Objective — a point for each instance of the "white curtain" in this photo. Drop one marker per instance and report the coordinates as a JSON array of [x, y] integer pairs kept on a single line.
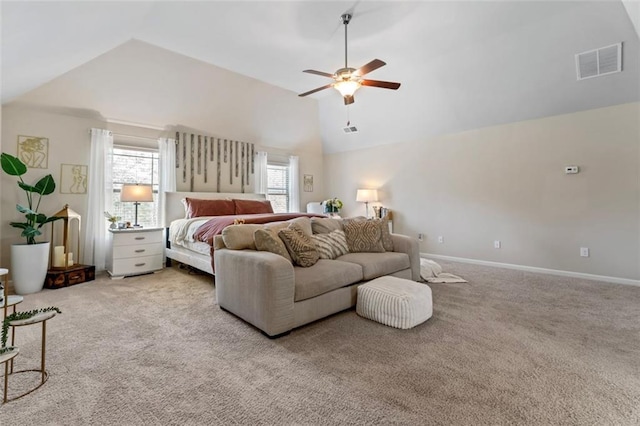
[[100, 196], [166, 173], [294, 186], [261, 179]]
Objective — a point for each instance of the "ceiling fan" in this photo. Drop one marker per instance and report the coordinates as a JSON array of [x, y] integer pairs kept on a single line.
[[348, 80]]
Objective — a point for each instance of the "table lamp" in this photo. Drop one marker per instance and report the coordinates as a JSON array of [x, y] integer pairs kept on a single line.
[[136, 193], [366, 196]]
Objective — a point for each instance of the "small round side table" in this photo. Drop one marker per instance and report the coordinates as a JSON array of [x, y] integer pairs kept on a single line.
[[5, 359], [7, 302], [39, 318]]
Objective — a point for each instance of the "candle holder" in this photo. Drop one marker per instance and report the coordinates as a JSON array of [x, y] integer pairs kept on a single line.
[[61, 257], [65, 270]]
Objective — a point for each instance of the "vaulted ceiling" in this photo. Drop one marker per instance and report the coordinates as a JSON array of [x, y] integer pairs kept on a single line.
[[463, 65]]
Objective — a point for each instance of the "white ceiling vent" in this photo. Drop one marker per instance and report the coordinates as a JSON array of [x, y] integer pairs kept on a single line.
[[350, 129], [597, 62]]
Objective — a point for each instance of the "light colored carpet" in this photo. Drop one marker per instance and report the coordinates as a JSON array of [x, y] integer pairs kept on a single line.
[[509, 347]]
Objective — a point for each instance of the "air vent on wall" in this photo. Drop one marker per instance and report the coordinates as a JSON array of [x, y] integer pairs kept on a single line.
[[350, 129], [598, 62]]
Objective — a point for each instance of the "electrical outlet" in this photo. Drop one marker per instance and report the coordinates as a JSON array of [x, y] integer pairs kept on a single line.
[[496, 244], [584, 251], [441, 239], [420, 237]]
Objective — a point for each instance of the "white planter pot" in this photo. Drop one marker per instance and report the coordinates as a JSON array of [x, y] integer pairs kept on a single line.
[[29, 264]]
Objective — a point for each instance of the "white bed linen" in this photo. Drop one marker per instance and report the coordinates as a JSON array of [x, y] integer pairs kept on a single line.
[[181, 233]]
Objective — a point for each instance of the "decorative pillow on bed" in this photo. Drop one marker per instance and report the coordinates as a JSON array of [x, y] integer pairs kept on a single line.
[[324, 225], [299, 245], [363, 236], [196, 207], [331, 245], [252, 206], [268, 240]]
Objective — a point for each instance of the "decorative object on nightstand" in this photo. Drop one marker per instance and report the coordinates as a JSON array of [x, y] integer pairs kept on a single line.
[[135, 251], [332, 206], [136, 193], [64, 269], [367, 196]]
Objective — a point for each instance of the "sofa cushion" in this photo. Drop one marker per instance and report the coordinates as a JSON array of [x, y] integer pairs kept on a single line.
[[331, 245], [324, 225], [378, 264], [299, 245], [240, 237], [268, 240], [387, 242], [363, 236], [323, 277]]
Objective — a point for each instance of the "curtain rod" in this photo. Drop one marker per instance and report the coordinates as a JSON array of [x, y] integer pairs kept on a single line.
[[135, 137]]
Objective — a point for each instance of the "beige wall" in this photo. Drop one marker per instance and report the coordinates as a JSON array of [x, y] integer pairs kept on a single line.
[[507, 183], [140, 83], [68, 144]]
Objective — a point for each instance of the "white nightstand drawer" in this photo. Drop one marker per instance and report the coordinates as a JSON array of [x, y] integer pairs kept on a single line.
[[135, 251], [138, 265], [127, 238], [140, 250]]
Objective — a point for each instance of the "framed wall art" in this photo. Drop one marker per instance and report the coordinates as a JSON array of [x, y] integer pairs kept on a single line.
[[308, 183], [33, 151], [73, 179]]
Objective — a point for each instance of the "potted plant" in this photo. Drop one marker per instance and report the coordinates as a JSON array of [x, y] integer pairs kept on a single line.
[[29, 261]]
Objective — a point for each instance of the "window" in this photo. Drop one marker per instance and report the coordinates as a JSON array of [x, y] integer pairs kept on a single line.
[[131, 165], [278, 187]]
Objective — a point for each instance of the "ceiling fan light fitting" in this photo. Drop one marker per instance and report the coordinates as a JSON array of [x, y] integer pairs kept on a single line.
[[347, 87]]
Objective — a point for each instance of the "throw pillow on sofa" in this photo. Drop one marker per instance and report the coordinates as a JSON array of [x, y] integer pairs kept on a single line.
[[268, 240], [363, 236], [331, 245], [387, 242], [324, 225], [299, 245]]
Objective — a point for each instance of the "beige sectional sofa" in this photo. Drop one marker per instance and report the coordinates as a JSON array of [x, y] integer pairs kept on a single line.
[[268, 291]]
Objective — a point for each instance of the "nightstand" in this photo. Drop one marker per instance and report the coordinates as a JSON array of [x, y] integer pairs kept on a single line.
[[135, 251]]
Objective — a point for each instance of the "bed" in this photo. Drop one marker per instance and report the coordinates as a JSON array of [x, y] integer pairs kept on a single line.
[[189, 240]]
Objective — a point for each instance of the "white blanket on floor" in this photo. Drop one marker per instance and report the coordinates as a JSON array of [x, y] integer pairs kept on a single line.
[[431, 272]]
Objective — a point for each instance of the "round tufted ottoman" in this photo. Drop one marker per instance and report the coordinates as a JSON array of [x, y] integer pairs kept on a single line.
[[395, 302]]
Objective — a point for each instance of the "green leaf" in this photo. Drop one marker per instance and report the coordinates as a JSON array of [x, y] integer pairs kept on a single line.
[[21, 225], [24, 209], [30, 232], [46, 185], [37, 218], [12, 165], [27, 187]]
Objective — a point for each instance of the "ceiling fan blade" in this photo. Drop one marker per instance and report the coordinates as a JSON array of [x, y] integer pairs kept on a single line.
[[371, 66], [316, 90], [348, 100], [324, 74], [383, 84]]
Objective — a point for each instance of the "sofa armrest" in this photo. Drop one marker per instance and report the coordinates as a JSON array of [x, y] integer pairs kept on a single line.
[[257, 286], [410, 246]]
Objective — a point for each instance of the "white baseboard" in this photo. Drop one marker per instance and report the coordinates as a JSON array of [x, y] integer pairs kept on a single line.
[[604, 278]]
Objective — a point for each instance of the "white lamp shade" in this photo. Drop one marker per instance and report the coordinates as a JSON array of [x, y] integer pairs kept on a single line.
[[367, 195], [136, 193]]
